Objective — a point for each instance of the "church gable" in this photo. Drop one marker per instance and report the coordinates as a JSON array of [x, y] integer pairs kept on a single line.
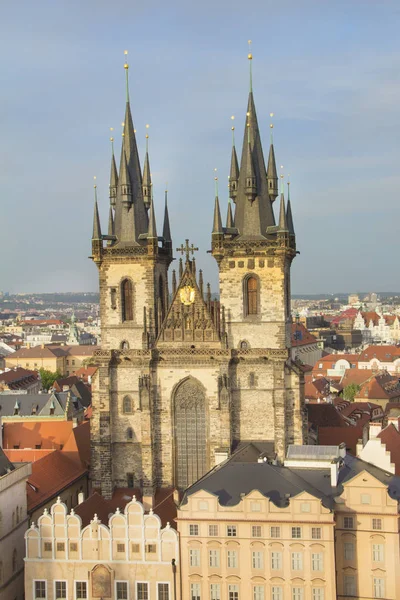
[[190, 319]]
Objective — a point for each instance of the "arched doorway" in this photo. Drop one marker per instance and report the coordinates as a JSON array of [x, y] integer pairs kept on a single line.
[[190, 432]]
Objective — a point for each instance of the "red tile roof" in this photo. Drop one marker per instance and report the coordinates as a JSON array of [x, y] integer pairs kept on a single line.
[[300, 336], [382, 386], [26, 454], [333, 436], [382, 353], [324, 415], [52, 435], [50, 475], [77, 446]]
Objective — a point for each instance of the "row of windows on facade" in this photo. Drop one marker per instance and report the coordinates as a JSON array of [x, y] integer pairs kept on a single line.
[[250, 289], [275, 592], [275, 531], [122, 591], [257, 559], [73, 547]]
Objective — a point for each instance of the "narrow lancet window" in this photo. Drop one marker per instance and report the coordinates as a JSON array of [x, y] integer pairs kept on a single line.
[[252, 293], [127, 300]]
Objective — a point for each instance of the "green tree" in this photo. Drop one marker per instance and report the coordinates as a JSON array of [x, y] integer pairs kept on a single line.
[[350, 391], [48, 378]]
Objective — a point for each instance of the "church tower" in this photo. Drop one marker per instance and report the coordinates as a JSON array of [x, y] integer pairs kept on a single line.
[[184, 379]]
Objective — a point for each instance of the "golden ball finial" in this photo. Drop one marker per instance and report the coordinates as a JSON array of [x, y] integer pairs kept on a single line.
[[122, 124], [147, 126], [233, 129], [147, 136], [126, 66], [233, 117], [111, 128], [271, 125], [271, 115], [111, 139], [250, 56], [95, 186]]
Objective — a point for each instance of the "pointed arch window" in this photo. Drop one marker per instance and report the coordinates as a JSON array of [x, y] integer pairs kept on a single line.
[[251, 296], [127, 405], [127, 300]]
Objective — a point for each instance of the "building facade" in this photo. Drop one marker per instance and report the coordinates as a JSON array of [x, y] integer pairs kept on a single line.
[[13, 524], [181, 382], [129, 557]]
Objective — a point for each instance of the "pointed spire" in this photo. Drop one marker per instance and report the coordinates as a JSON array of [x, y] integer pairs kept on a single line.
[[289, 217], [173, 282], [147, 175], [110, 225], [217, 225], [113, 174], [152, 222], [229, 217], [282, 211], [180, 268], [201, 284], [272, 175], [125, 188], [96, 219], [234, 172], [166, 227]]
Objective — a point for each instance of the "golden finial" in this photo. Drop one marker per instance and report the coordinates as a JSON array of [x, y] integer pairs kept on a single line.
[[111, 138], [249, 56], [216, 182], [232, 119], [123, 126], [95, 184], [271, 126], [126, 66], [281, 176]]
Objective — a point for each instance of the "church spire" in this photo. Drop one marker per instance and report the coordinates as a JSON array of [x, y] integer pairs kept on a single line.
[[131, 218], [166, 226], [234, 173], [152, 222], [217, 223], [96, 219], [282, 211], [110, 225], [289, 217], [113, 174], [147, 175], [252, 218], [272, 176], [229, 217]]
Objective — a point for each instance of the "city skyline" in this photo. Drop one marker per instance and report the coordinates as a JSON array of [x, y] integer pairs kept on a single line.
[[333, 96]]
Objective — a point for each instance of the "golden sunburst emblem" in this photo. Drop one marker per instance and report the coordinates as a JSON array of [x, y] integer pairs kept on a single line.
[[186, 295]]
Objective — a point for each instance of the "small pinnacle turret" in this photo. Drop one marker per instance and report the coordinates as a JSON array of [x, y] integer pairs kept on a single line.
[[251, 182], [289, 217], [229, 217], [234, 174], [113, 181], [124, 183], [272, 176], [96, 221], [110, 225], [146, 187], [166, 226], [152, 223], [282, 215], [217, 223]]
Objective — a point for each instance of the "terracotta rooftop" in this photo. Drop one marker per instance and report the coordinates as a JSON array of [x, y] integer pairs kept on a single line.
[[50, 475], [382, 353], [333, 436], [52, 435], [381, 387], [300, 336], [39, 352], [324, 415], [18, 378]]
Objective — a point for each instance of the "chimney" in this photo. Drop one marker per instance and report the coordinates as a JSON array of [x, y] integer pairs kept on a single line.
[[374, 429], [81, 497], [342, 450], [334, 472], [176, 497], [42, 346]]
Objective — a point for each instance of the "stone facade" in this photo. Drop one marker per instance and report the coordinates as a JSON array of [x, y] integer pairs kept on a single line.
[[183, 379]]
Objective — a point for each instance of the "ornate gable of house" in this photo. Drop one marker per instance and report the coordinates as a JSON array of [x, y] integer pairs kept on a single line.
[[190, 319]]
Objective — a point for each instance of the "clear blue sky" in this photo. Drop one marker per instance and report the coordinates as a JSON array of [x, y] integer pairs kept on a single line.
[[328, 70]]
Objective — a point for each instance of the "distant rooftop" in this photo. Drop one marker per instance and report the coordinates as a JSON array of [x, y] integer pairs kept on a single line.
[[313, 452]]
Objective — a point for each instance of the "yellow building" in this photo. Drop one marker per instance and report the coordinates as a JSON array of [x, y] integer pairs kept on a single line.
[[65, 359], [129, 558], [324, 526]]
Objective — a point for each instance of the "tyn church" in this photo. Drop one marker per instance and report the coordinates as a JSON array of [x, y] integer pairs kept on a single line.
[[184, 379]]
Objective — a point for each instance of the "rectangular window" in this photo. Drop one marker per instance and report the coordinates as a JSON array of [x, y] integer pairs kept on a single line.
[[377, 552], [317, 561], [194, 557], [365, 499], [130, 480], [142, 590], [61, 590], [122, 590], [195, 591], [40, 589], [276, 561], [379, 587], [48, 547], [233, 592], [232, 559], [296, 533], [255, 506], [350, 585], [215, 591], [135, 548], [60, 547], [377, 524], [297, 593], [80, 589], [163, 591], [258, 592], [151, 548], [193, 529], [120, 547], [297, 561], [305, 507], [231, 531], [275, 532], [73, 547], [316, 533], [348, 523], [257, 559], [277, 592], [256, 531], [348, 551], [213, 530], [213, 558], [318, 593]]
